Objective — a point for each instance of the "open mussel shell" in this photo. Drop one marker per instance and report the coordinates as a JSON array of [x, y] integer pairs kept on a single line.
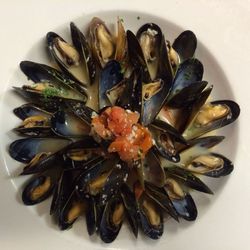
[[212, 116], [94, 176], [24, 150], [83, 47], [187, 179], [65, 86], [210, 164], [149, 37], [121, 53], [73, 208], [185, 45], [62, 191], [189, 112], [114, 181], [151, 217], [166, 138], [154, 95], [36, 125], [30, 109], [128, 99], [83, 154], [182, 201], [112, 219], [188, 72], [161, 197], [101, 41], [67, 124], [115, 93], [110, 76], [185, 97], [38, 189], [67, 57]]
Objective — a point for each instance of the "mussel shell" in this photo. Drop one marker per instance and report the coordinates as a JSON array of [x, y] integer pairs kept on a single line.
[[92, 171], [185, 45], [109, 230], [110, 76], [24, 150], [189, 112], [194, 131], [72, 209], [131, 210], [34, 131], [68, 125], [187, 95], [136, 56], [115, 180], [188, 72], [91, 216], [30, 109], [153, 171], [62, 191], [66, 67], [161, 197], [165, 70], [116, 92], [187, 179], [166, 137], [153, 105], [43, 73], [95, 44], [167, 128], [37, 125], [181, 200], [127, 98], [224, 169], [50, 102], [83, 48], [151, 50], [37, 184], [121, 53], [152, 231], [186, 208]]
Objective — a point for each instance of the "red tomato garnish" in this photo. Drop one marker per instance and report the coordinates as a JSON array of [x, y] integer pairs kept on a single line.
[[130, 140]]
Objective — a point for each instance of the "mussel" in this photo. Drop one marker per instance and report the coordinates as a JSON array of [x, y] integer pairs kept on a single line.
[[212, 116], [210, 164], [182, 201], [38, 189], [24, 150], [101, 41], [112, 219], [151, 217]]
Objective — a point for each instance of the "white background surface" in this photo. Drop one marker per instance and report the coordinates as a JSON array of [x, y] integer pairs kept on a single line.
[[223, 28]]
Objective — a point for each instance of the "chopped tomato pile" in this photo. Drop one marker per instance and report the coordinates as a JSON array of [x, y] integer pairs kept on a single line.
[[129, 139]]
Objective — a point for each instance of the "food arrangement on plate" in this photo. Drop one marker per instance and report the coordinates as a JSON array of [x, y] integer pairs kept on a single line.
[[118, 129]]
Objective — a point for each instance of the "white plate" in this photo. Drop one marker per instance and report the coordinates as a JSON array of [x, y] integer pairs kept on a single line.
[[221, 27]]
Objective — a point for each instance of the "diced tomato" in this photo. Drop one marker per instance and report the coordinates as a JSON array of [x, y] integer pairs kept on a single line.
[[131, 140]]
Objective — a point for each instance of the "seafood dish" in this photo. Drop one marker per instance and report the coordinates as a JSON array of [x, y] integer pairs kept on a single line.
[[105, 129]]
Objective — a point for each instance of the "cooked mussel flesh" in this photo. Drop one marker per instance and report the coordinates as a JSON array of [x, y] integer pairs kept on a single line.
[[211, 164], [101, 41]]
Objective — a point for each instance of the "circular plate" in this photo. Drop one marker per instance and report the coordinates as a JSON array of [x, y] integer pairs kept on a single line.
[[222, 216]]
